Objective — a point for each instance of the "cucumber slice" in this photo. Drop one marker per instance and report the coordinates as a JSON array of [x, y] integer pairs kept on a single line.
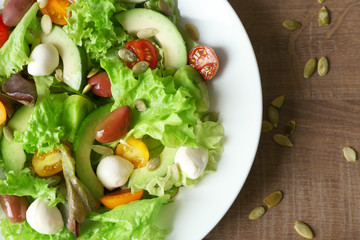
[[82, 147], [13, 152], [168, 36], [74, 58]]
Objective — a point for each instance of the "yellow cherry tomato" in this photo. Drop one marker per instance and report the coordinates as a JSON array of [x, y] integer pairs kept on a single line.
[[135, 151], [47, 164], [57, 10], [121, 197], [2, 113]]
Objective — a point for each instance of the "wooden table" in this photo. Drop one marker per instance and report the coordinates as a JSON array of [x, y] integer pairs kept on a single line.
[[319, 186]]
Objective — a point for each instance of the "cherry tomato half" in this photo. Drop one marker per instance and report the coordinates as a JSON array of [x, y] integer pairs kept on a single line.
[[144, 50], [100, 84], [204, 60], [4, 32], [47, 164], [57, 11]]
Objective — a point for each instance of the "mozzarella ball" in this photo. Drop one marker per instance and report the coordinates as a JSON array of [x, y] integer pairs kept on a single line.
[[192, 161], [114, 171], [43, 218], [44, 59]]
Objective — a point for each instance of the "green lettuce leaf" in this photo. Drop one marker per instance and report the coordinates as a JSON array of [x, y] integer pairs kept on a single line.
[[91, 26], [44, 131], [171, 112], [26, 184], [135, 220], [21, 231], [15, 52]]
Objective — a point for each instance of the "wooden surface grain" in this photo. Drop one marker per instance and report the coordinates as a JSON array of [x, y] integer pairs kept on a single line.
[[319, 186]]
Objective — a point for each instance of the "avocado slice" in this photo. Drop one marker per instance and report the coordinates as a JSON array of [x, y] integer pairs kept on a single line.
[[168, 36], [84, 139], [73, 57], [13, 152]]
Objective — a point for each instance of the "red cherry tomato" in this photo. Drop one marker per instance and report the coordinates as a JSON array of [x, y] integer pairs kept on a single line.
[[4, 32], [101, 85], [204, 60], [144, 50], [115, 125]]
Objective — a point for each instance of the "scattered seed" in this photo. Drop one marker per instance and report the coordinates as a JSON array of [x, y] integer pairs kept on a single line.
[[147, 33], [165, 8], [103, 150], [282, 140], [323, 17], [46, 24], [349, 154], [192, 31], [53, 180], [310, 67], [273, 199], [291, 25], [266, 126], [257, 213], [321, 1], [140, 105], [127, 55], [290, 127], [210, 116], [303, 230], [93, 72], [153, 163], [278, 101], [42, 3], [8, 133], [87, 88], [59, 75], [273, 115], [140, 67], [323, 66]]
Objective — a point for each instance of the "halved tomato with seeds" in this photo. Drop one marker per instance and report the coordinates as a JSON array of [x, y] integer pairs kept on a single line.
[[204, 60], [47, 164], [57, 10], [144, 50]]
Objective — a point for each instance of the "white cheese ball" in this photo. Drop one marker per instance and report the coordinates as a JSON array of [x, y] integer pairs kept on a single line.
[[192, 161], [43, 218], [114, 171], [44, 59]]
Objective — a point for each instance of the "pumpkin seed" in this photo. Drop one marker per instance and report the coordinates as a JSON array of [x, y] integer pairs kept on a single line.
[[103, 150], [291, 25], [266, 126], [53, 180], [140, 105], [290, 127], [282, 140], [153, 163], [8, 133], [310, 67], [257, 213], [323, 66], [140, 67], [273, 199], [192, 31], [93, 72], [273, 115], [127, 55], [165, 8], [147, 33], [323, 17], [321, 1], [303, 230], [42, 3], [59, 75], [278, 101], [210, 116], [46, 24], [349, 154], [87, 88]]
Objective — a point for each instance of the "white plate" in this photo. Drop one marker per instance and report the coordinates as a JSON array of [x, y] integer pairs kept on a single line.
[[236, 94]]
